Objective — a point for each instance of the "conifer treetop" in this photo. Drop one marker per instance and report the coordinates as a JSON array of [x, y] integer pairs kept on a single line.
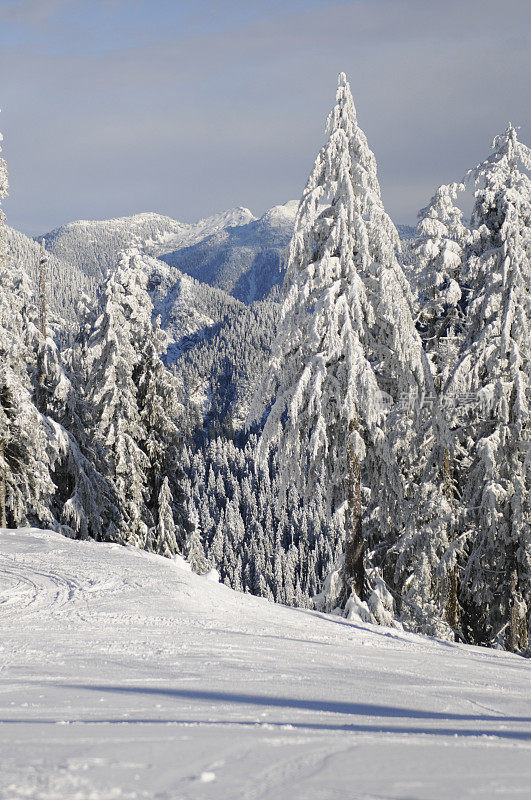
[[343, 117], [501, 242], [495, 367], [509, 154], [345, 318], [441, 217]]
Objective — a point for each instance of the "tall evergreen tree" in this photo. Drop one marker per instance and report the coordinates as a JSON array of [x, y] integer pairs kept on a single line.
[[114, 419], [26, 486], [83, 501], [4, 185], [28, 449], [162, 441], [439, 251], [494, 375], [133, 410], [347, 336], [424, 573]]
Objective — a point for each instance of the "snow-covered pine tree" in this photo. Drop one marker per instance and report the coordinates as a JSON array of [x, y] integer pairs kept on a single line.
[[425, 572], [347, 334], [25, 483], [162, 442], [4, 185], [113, 418], [32, 369], [42, 290], [491, 389], [27, 446], [133, 412], [195, 553], [165, 535], [424, 557], [83, 501], [439, 251]]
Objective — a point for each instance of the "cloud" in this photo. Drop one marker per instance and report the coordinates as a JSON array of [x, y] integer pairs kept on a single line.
[[192, 120], [30, 12]]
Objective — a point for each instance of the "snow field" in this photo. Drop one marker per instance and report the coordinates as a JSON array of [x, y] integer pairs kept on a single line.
[[124, 675]]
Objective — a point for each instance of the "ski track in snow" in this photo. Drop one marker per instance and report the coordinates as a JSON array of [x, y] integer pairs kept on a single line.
[[123, 675]]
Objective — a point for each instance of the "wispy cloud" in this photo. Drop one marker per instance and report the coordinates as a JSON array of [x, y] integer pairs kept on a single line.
[[192, 116], [30, 12]]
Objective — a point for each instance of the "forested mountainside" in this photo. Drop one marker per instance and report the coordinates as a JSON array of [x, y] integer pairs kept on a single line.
[[91, 245], [247, 260], [66, 284], [217, 346], [221, 345], [232, 251]]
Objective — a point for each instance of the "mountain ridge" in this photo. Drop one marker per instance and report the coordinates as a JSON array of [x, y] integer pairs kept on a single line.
[[233, 250]]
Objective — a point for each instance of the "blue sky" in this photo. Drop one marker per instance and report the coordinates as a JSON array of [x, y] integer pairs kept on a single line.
[[113, 107]]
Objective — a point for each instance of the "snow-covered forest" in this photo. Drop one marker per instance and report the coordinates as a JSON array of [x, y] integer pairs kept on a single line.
[[330, 410]]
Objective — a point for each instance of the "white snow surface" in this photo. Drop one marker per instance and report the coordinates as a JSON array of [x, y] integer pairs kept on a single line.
[[124, 675]]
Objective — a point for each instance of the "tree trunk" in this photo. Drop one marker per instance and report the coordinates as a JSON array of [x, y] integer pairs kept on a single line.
[[354, 567], [3, 519], [452, 611], [42, 291], [452, 606], [517, 631]]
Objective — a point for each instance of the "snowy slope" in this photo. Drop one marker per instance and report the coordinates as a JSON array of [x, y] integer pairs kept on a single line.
[[188, 309], [218, 345], [93, 245], [125, 676], [232, 251], [246, 261]]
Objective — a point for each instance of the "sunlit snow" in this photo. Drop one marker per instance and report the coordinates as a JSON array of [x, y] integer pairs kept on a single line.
[[124, 675]]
